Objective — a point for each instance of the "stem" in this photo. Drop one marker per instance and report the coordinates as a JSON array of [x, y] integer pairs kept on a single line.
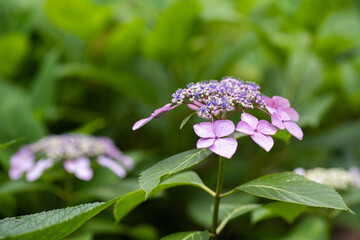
[[220, 181]]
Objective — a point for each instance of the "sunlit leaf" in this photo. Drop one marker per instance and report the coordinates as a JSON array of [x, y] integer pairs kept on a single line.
[[293, 188], [152, 177]]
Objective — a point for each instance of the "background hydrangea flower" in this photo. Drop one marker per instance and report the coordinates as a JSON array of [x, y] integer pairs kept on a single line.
[[74, 151], [258, 130], [211, 136], [337, 178]]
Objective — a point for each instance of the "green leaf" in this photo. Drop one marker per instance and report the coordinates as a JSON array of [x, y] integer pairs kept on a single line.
[[188, 236], [288, 211], [293, 188], [50, 225], [13, 49], [129, 201], [313, 228], [230, 211], [151, 177], [283, 135], [170, 35], [44, 83], [77, 16], [186, 120], [9, 143]]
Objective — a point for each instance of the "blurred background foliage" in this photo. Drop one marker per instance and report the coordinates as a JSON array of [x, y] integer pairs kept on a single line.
[[97, 66]]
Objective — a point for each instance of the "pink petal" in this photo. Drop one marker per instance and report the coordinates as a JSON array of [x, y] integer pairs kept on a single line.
[[250, 119], [243, 127], [160, 111], [283, 115], [281, 102], [269, 101], [141, 123], [223, 128], [204, 130], [271, 109], [294, 116], [264, 141], [80, 167], [70, 166], [276, 121], [112, 165], [294, 129], [266, 128], [225, 147], [205, 142], [38, 169], [193, 107]]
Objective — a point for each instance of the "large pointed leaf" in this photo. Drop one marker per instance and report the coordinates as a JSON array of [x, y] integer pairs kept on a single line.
[[152, 177], [291, 187], [231, 211], [129, 201], [50, 225], [9, 143], [188, 236]]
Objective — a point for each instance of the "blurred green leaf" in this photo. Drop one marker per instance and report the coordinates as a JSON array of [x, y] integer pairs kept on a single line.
[[188, 235], [44, 84], [122, 42], [92, 126], [283, 135], [77, 16], [168, 38], [293, 188], [14, 47], [50, 225], [9, 143], [313, 228], [152, 177], [124, 82], [288, 211], [129, 201]]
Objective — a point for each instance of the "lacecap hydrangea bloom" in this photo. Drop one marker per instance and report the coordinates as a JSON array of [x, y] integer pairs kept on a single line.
[[337, 178], [217, 101], [74, 151]]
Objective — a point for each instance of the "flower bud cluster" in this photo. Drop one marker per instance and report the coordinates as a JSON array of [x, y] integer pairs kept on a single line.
[[213, 97]]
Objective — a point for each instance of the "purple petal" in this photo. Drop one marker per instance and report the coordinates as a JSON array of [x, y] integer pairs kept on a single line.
[[38, 169], [264, 141], [250, 119], [225, 147], [113, 152], [266, 128], [223, 128], [141, 123], [112, 165], [21, 162], [281, 102], [205, 142], [243, 127], [292, 113], [204, 130], [300, 171], [81, 167], [294, 129], [276, 121]]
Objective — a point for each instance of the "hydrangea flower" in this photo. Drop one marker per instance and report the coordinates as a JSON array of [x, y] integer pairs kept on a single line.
[[219, 100], [212, 136], [258, 130], [334, 177], [73, 151]]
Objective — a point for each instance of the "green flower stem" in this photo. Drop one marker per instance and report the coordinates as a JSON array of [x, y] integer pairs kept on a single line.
[[220, 181]]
